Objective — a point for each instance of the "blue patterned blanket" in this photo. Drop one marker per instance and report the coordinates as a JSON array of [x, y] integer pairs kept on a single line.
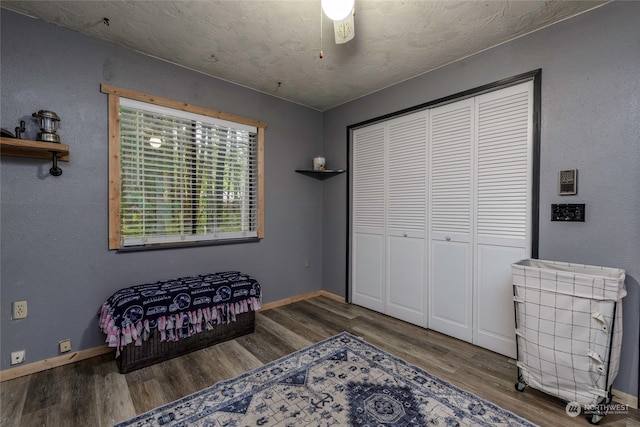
[[177, 308]]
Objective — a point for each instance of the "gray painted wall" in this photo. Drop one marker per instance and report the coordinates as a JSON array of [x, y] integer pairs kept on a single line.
[[590, 121], [54, 230]]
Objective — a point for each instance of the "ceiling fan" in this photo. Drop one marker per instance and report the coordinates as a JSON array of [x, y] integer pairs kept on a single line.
[[341, 12]]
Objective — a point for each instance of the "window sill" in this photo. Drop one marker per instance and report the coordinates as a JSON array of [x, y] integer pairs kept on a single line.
[[187, 244]]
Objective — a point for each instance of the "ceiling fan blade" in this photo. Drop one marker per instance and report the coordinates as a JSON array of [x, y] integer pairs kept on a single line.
[[344, 30]]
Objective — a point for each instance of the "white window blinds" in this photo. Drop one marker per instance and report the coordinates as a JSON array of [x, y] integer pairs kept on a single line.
[[185, 177]]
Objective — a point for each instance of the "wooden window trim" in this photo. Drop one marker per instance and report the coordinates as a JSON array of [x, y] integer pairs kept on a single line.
[[114, 93]]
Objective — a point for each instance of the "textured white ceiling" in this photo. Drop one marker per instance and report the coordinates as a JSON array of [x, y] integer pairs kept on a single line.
[[273, 46]]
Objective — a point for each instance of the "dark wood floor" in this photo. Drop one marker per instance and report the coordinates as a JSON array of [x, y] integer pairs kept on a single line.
[[93, 393]]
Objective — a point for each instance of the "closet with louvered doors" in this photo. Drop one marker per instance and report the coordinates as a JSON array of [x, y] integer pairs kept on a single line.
[[389, 217], [440, 209], [480, 191]]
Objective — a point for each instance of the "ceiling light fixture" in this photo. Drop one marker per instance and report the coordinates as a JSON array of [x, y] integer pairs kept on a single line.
[[337, 10], [341, 13]]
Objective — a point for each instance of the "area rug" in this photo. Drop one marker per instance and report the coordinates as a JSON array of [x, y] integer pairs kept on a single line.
[[342, 381]]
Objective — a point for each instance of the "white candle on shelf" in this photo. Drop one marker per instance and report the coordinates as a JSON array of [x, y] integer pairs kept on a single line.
[[318, 163]]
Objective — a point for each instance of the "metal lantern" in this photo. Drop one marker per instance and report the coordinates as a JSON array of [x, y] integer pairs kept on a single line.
[[48, 122]]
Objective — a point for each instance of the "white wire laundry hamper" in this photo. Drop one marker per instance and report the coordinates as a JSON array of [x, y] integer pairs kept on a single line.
[[568, 330]]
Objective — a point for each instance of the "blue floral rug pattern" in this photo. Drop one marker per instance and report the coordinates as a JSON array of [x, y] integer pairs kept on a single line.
[[342, 381]]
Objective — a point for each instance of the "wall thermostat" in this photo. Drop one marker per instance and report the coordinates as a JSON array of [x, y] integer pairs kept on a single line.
[[568, 182]]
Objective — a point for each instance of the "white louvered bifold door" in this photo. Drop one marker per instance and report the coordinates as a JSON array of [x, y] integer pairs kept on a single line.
[[503, 209], [451, 227], [368, 217], [440, 209], [406, 217]]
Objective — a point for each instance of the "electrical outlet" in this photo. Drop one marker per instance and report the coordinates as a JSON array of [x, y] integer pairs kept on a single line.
[[65, 346], [17, 357], [307, 263], [19, 309]]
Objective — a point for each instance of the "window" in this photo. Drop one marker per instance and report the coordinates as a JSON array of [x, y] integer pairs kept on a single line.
[[181, 174]]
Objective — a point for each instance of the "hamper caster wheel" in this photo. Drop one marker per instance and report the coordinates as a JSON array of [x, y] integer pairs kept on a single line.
[[520, 386], [594, 418]]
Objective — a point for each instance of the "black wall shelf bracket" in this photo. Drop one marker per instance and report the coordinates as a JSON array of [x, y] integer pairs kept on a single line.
[[55, 170], [320, 174]]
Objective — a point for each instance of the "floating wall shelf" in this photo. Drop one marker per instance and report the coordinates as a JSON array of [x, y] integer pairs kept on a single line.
[[17, 147], [321, 175]]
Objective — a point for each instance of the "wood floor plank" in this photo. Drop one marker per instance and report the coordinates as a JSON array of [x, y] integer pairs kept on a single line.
[[93, 392], [41, 417], [146, 395], [43, 391], [206, 368], [278, 329], [173, 377], [113, 398], [13, 394], [280, 316], [301, 324], [322, 320], [349, 312], [77, 390], [425, 352], [267, 346], [234, 359]]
